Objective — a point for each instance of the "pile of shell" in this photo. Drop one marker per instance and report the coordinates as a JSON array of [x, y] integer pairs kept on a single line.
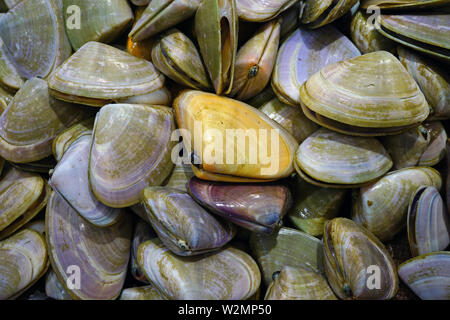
[[340, 111]]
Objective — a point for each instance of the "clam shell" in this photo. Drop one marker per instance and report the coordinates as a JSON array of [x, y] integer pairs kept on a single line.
[[428, 222], [319, 13], [262, 98], [23, 260], [64, 140], [34, 37], [5, 99], [180, 176], [111, 74], [407, 148], [73, 167], [258, 208], [183, 225], [175, 55], [436, 150], [203, 114], [291, 118], [100, 254], [10, 78], [159, 97], [366, 37], [22, 196], [36, 225], [329, 158], [131, 149], [368, 95], [419, 31], [101, 21], [27, 139], [42, 166], [160, 15], [382, 206], [313, 206], [255, 61], [299, 284], [261, 10], [433, 80], [216, 28], [428, 275], [54, 289], [141, 293], [236, 275], [404, 4], [304, 53], [142, 232], [289, 247], [349, 251]]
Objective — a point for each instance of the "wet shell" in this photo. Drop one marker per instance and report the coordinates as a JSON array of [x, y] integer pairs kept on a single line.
[[366, 37], [180, 176], [319, 13], [54, 289], [183, 225], [10, 78], [428, 275], [160, 15], [350, 253], [70, 180], [261, 10], [258, 208], [382, 206], [368, 95], [101, 21], [176, 56], [419, 31], [328, 158], [23, 260], [111, 74], [299, 284], [27, 139], [407, 148], [255, 61], [213, 116], [304, 53], [291, 118], [289, 247], [428, 222], [436, 150], [131, 150], [313, 206], [64, 140], [216, 28], [34, 37], [101, 254], [432, 78], [22, 196], [159, 97], [236, 275], [141, 293]]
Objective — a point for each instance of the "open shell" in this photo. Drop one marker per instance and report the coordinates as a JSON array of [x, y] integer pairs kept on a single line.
[[428, 222], [236, 275], [23, 260], [107, 77], [131, 149], [216, 28], [101, 21], [350, 252], [207, 117], [382, 206], [99, 254], [327, 158], [70, 179], [182, 224], [368, 95], [304, 53], [30, 138]]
